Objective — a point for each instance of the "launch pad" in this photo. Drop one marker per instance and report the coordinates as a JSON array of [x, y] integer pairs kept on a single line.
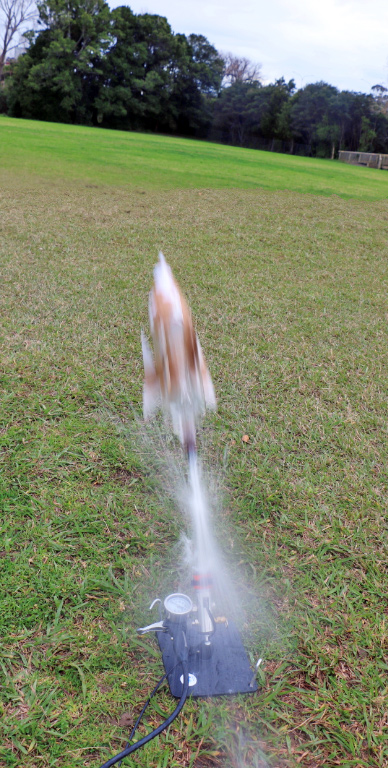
[[220, 669], [217, 662]]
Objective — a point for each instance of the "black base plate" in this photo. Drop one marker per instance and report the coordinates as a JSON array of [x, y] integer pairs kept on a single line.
[[225, 671]]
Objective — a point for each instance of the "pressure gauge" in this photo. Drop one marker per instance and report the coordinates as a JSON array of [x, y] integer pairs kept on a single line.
[[178, 605]]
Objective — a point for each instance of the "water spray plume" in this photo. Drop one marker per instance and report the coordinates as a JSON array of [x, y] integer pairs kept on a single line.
[[176, 376]]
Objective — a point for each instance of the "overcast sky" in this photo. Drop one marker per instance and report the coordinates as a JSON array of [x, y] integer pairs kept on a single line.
[[343, 42]]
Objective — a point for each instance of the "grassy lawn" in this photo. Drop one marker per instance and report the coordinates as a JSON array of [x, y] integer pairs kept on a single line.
[[290, 293], [116, 158]]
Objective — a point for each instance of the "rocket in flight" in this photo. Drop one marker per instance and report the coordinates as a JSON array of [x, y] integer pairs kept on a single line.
[[176, 376]]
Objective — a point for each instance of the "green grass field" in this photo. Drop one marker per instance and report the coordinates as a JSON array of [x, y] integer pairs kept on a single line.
[[145, 161], [284, 261]]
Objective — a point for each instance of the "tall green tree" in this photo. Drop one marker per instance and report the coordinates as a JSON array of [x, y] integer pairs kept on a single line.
[[119, 101], [58, 78], [234, 119], [196, 84], [136, 76], [312, 108], [248, 111], [156, 80], [266, 109]]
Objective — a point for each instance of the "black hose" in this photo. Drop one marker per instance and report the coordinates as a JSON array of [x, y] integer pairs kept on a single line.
[[140, 717], [141, 743]]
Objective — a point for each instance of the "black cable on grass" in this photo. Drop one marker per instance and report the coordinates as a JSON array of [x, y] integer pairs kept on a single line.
[[135, 727], [162, 727], [141, 743]]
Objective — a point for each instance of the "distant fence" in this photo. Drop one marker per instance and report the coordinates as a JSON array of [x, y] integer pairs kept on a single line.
[[370, 159]]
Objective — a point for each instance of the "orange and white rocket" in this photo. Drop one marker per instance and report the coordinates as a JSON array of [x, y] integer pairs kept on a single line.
[[177, 377]]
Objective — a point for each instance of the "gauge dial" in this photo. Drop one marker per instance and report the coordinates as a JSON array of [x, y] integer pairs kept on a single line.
[[178, 604]]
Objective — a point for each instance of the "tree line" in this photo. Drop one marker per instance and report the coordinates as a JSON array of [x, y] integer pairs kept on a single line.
[[318, 119], [89, 65]]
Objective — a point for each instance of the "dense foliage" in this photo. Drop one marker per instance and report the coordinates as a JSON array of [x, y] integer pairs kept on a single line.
[[95, 66], [318, 119], [90, 65]]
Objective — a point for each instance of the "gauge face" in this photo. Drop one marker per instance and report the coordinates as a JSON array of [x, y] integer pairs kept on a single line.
[[178, 604]]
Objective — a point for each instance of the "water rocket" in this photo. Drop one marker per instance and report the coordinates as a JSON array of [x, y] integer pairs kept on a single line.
[[176, 377], [177, 380]]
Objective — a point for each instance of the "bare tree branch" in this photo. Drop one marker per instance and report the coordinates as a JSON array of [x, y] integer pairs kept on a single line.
[[239, 69], [14, 14]]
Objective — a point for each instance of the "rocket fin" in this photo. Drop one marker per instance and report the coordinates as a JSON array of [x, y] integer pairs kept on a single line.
[[208, 388], [151, 387]]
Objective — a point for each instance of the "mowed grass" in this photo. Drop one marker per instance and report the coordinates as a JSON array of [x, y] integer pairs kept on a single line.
[[291, 299], [147, 161]]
